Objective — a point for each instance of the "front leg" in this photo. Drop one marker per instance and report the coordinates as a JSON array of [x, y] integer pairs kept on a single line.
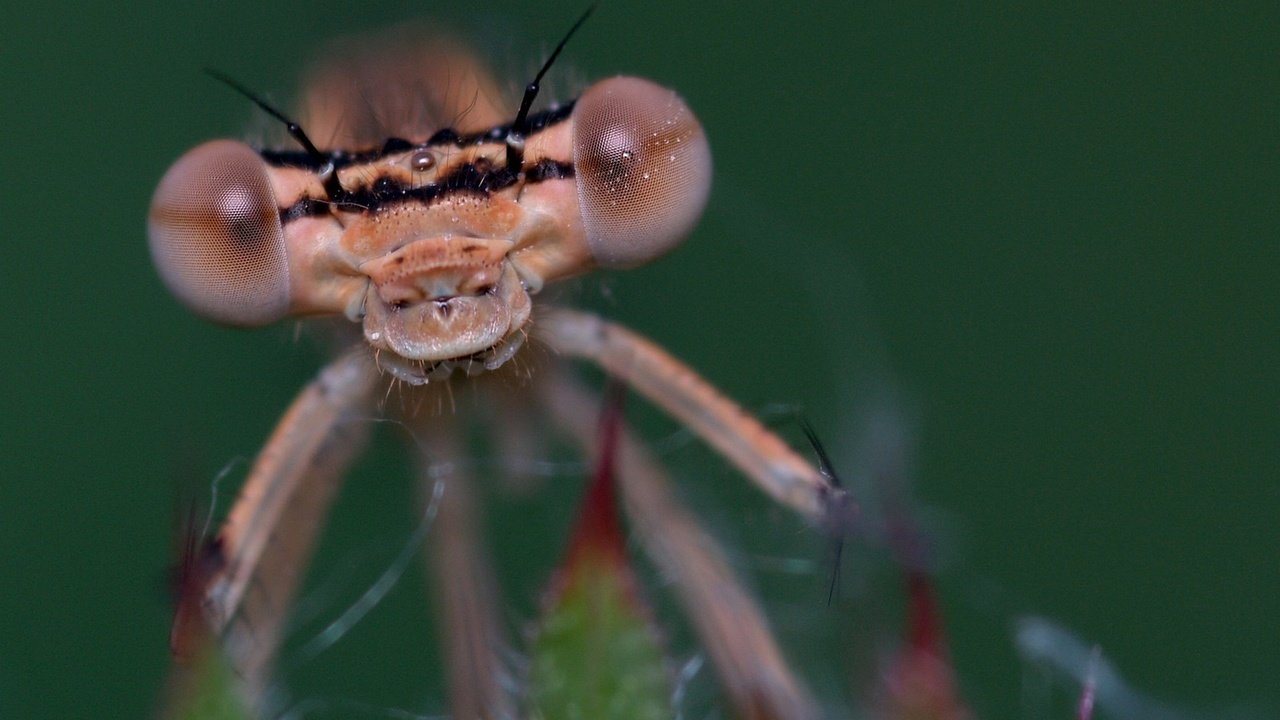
[[462, 576], [721, 423], [731, 627], [267, 538]]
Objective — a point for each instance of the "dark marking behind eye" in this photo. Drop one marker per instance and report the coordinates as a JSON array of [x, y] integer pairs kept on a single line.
[[395, 145], [548, 169], [447, 136]]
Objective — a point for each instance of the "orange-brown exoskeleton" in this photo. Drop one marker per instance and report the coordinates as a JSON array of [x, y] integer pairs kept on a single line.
[[419, 209]]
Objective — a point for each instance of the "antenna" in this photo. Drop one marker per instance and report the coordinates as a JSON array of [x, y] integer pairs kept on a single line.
[[332, 187], [520, 126]]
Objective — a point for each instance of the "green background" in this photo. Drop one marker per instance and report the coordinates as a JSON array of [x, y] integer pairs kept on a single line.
[[1047, 236]]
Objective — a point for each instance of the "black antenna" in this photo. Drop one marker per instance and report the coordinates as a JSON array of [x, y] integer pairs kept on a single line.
[[332, 187], [515, 136]]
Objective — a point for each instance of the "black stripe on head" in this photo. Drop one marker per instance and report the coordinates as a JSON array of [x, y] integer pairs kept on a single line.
[[475, 177], [442, 138]]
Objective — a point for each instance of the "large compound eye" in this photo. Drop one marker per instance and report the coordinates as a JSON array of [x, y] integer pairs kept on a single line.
[[215, 236], [643, 169]]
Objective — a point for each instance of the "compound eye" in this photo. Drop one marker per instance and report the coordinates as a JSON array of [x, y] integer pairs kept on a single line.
[[215, 236], [643, 169]]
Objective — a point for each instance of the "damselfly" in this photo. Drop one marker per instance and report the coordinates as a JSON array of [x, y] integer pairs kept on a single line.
[[421, 210]]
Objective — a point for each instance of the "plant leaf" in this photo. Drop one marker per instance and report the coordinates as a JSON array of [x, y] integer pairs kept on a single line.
[[596, 653]]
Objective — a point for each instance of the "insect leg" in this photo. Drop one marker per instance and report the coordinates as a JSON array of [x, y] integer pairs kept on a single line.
[[679, 390], [730, 626], [466, 591], [267, 537]]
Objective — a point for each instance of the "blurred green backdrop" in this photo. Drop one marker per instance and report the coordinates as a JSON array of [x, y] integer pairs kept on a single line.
[[1048, 233]]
